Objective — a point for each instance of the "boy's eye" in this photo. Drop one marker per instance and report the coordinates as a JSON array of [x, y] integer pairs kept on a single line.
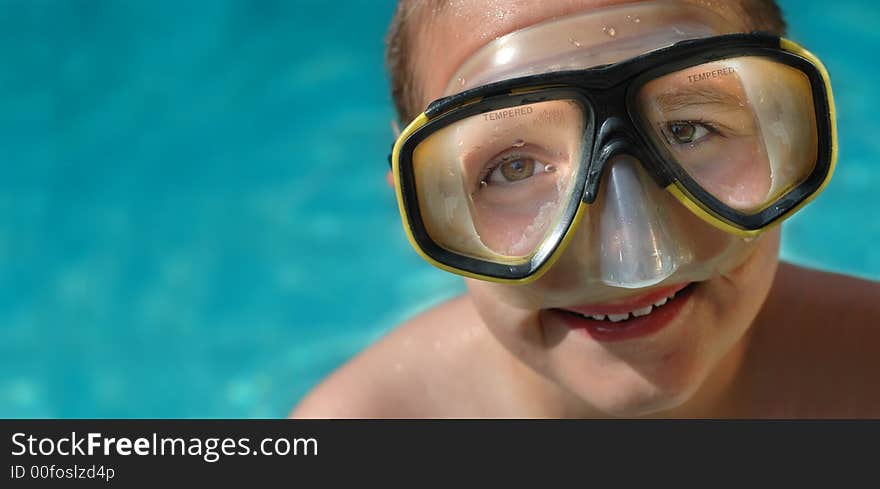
[[513, 170], [685, 132]]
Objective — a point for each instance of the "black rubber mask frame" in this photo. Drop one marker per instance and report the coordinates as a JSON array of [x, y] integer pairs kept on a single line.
[[613, 127]]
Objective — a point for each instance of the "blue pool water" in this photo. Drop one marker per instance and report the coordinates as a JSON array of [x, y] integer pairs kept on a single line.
[[193, 215]]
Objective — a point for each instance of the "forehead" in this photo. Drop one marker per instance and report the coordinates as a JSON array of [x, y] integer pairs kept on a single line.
[[446, 36]]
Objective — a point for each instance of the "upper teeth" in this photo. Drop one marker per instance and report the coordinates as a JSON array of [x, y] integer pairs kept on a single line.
[[644, 311]]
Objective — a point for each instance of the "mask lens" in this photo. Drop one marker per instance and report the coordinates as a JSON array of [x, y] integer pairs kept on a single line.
[[495, 185], [743, 128]]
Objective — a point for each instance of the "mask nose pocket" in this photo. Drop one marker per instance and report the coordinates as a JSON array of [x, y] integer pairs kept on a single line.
[[636, 244]]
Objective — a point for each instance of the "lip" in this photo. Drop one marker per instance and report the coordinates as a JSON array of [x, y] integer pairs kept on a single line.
[[632, 328]]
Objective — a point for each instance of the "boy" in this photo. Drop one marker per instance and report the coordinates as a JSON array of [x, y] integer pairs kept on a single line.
[[617, 228]]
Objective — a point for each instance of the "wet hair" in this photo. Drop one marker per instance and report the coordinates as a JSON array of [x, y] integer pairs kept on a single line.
[[762, 15]]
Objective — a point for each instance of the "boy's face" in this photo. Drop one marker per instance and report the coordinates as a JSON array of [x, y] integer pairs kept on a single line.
[[658, 365]]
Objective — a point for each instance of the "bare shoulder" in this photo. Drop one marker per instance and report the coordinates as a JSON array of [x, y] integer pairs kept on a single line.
[[425, 367], [826, 292], [816, 346]]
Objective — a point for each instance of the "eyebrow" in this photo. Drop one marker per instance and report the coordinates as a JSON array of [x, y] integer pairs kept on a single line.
[[695, 96]]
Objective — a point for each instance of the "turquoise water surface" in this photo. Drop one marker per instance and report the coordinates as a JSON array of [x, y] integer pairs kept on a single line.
[[194, 220]]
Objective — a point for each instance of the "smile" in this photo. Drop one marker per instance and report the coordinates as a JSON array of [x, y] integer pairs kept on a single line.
[[630, 318], [641, 306]]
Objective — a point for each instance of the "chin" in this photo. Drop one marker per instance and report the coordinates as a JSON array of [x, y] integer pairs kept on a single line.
[[641, 405], [630, 393], [643, 378]]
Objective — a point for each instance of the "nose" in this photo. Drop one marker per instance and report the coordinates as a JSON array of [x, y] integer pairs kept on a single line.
[[634, 240]]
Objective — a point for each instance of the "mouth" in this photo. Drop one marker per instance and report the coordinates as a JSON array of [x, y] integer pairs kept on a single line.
[[632, 318]]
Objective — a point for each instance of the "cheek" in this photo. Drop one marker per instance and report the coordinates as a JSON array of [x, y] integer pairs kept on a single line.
[[737, 173], [735, 297], [516, 327]]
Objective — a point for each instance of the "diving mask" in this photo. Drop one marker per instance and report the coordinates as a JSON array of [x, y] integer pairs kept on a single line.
[[492, 182]]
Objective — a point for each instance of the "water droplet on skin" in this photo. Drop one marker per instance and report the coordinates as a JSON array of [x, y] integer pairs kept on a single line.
[[574, 42], [461, 143], [610, 31], [636, 20], [483, 184], [519, 143], [461, 81], [549, 168]]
